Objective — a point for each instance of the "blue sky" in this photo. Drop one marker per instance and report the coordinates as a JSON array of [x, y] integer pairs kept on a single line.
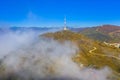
[[47, 13]]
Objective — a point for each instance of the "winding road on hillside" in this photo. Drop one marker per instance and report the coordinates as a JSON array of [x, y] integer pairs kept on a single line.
[[92, 52]]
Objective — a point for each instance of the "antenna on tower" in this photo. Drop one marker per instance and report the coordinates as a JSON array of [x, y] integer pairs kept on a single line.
[[65, 26]]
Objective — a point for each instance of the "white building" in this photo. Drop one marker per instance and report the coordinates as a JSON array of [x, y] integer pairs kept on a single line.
[[117, 45]]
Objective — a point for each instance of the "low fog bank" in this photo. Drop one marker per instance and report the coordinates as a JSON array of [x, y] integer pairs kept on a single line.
[[25, 56], [11, 40]]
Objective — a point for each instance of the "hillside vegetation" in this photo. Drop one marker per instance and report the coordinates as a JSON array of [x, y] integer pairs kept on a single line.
[[91, 53], [109, 33]]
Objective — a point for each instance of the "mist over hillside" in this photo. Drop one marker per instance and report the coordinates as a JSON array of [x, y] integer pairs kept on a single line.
[[29, 56], [25, 29]]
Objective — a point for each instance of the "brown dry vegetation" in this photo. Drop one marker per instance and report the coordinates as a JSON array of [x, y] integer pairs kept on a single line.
[[99, 58], [109, 33]]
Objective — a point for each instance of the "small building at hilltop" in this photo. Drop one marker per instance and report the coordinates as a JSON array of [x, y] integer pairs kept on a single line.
[[117, 45]]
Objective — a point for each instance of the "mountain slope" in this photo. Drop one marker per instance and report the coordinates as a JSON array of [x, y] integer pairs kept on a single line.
[[99, 57], [108, 28], [96, 35], [109, 33]]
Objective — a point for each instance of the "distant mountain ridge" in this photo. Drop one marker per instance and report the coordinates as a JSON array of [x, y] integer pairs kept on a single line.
[[24, 29], [108, 28], [109, 33]]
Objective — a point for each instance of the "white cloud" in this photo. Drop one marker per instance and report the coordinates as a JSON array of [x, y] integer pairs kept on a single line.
[[40, 58]]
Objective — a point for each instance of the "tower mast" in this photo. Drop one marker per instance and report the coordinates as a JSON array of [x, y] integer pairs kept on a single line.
[[65, 26]]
